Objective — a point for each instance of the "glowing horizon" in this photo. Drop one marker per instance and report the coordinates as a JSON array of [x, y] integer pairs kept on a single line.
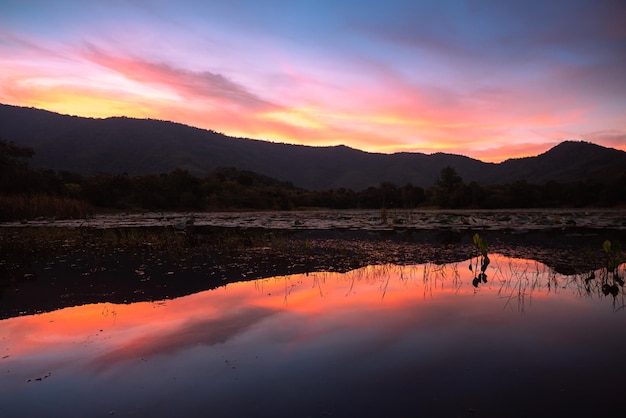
[[488, 81]]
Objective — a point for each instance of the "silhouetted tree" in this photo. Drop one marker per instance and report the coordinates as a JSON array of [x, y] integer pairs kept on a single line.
[[14, 174], [449, 179], [447, 191], [411, 196], [107, 190], [477, 195]]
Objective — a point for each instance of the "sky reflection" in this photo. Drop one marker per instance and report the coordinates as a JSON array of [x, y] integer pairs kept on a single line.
[[378, 340]]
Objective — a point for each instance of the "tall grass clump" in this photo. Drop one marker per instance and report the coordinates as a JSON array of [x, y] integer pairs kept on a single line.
[[27, 207]]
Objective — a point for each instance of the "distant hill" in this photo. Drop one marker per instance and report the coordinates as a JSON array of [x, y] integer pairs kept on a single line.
[[568, 161], [146, 146]]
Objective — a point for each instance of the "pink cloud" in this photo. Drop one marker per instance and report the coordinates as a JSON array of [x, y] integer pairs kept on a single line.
[[188, 84], [362, 103]]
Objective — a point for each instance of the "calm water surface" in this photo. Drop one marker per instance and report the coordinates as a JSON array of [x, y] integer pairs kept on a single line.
[[379, 341]]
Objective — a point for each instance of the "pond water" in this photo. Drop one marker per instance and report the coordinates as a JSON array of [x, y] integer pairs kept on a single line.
[[385, 340]]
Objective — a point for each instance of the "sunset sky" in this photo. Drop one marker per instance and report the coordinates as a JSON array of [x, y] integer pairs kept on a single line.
[[488, 79]]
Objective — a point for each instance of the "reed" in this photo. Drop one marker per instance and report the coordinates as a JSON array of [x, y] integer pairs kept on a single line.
[[28, 207]]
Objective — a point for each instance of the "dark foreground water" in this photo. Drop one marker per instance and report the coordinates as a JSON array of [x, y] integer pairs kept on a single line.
[[379, 341]]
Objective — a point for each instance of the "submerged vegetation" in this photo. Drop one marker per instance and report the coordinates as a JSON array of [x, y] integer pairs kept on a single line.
[[27, 194]]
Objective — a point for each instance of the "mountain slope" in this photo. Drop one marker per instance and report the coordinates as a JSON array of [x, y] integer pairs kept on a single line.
[[145, 146], [566, 162]]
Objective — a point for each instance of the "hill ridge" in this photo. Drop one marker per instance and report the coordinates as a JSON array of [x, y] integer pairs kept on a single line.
[[121, 144]]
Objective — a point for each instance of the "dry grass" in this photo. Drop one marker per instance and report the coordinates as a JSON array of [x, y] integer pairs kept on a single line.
[[26, 207]]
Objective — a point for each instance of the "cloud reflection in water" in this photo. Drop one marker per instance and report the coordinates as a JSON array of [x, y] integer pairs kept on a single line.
[[382, 340]]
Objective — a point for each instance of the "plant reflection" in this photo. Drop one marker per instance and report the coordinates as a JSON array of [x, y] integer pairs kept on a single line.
[[482, 259], [610, 280], [517, 281]]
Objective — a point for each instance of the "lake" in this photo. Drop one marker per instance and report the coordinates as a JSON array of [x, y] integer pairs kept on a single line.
[[380, 340]]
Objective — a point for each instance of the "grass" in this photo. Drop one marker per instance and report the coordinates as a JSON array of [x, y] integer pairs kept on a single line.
[[28, 207]]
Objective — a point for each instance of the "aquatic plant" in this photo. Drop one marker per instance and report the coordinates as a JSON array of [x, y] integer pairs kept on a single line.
[[480, 274], [611, 280], [614, 256]]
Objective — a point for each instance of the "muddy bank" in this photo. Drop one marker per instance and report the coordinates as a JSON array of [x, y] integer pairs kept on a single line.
[[356, 219]]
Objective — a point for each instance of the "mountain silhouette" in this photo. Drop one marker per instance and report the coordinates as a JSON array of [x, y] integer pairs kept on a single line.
[[148, 146]]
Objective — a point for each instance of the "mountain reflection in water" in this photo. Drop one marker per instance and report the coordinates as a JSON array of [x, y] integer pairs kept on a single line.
[[378, 341]]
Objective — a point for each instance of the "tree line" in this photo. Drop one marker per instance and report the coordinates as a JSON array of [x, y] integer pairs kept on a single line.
[[21, 188]]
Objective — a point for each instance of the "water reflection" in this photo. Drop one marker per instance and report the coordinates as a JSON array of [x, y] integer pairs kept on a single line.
[[378, 341]]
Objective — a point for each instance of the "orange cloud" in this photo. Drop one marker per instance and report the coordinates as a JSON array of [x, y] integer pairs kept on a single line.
[[376, 110], [402, 87]]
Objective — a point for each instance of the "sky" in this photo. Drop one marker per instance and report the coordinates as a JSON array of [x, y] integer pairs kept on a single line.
[[488, 79]]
